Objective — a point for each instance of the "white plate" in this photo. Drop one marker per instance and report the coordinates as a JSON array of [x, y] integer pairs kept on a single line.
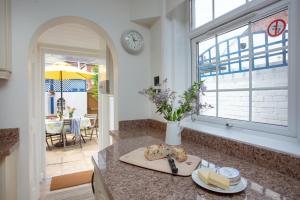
[[232, 189]]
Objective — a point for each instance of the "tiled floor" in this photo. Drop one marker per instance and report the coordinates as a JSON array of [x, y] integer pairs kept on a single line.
[[81, 192], [72, 159]]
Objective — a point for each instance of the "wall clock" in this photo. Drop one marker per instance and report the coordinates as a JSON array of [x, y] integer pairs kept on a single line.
[[132, 41]]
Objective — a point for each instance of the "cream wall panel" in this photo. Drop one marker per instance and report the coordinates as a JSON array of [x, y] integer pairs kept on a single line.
[[8, 176], [5, 39]]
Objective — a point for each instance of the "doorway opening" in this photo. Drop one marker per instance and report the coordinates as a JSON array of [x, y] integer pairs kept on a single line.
[[73, 40], [80, 105]]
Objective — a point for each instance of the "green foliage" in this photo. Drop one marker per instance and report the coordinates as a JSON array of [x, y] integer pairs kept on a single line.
[[185, 106], [94, 89], [164, 101]]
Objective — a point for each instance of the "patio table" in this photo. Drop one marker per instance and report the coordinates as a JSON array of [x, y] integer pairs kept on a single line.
[[55, 126]]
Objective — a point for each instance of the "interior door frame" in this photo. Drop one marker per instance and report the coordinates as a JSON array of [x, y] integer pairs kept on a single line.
[[36, 138]]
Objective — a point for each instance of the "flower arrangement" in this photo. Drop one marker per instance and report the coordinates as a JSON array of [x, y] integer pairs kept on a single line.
[[187, 104], [71, 111]]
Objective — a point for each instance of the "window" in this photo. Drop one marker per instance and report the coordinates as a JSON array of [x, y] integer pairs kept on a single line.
[[207, 10], [245, 67]]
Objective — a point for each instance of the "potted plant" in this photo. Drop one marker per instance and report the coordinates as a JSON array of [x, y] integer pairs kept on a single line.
[[174, 111], [71, 111]]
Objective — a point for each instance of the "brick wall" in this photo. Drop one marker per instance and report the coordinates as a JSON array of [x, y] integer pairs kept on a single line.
[[267, 106]]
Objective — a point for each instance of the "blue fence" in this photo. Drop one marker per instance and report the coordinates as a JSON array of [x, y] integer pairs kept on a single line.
[[68, 85], [230, 66]]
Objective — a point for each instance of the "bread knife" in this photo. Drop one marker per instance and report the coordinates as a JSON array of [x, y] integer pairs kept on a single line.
[[173, 167]]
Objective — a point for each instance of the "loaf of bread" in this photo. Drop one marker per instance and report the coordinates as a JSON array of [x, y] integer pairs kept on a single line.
[[179, 154], [159, 151]]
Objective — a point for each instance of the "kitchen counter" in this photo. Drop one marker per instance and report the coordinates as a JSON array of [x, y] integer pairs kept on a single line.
[[123, 181], [9, 139]]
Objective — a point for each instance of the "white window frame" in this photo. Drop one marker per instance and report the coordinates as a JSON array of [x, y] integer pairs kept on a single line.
[[252, 11], [192, 11]]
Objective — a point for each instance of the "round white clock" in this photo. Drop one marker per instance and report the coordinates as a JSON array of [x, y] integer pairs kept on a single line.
[[132, 41]]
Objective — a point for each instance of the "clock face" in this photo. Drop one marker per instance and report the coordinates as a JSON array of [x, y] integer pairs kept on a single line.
[[132, 41]]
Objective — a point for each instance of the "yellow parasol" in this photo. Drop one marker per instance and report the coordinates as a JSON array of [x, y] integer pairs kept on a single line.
[[64, 71]]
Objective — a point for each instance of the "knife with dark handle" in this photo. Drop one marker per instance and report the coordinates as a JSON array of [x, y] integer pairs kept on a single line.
[[173, 167]]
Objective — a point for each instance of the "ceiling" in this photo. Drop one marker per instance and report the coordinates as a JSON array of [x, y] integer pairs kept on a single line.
[[73, 35], [51, 58]]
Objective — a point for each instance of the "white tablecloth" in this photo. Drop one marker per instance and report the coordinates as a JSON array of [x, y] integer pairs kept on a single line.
[[55, 126]]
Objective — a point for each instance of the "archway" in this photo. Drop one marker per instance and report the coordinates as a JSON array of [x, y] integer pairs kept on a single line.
[[36, 91]]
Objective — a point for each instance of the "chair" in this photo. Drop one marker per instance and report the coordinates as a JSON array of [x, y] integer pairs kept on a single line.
[[53, 135], [76, 126], [66, 128], [93, 125]]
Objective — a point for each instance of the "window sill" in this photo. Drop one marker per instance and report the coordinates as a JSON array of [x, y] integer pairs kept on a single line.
[[272, 142]]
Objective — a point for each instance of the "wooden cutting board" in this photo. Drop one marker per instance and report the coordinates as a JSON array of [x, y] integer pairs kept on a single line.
[[137, 158]]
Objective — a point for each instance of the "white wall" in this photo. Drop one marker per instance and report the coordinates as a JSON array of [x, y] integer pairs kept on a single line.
[[297, 45], [27, 16], [76, 100], [172, 4], [169, 49], [180, 27], [156, 60], [141, 9], [268, 106]]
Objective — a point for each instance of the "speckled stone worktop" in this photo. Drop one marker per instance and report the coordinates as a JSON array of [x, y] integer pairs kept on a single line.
[[9, 138], [124, 181]]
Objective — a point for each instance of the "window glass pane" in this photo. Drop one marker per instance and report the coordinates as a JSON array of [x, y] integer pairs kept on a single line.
[[225, 60], [209, 98], [270, 63], [234, 105], [234, 59], [203, 12], [222, 7], [207, 63], [270, 107]]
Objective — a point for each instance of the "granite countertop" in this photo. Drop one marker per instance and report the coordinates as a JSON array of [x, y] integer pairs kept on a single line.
[[9, 139], [124, 181]]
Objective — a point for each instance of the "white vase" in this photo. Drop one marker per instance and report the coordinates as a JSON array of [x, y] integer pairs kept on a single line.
[[173, 133]]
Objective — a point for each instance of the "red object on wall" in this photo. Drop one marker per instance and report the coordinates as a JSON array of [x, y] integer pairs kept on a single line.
[[276, 27]]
